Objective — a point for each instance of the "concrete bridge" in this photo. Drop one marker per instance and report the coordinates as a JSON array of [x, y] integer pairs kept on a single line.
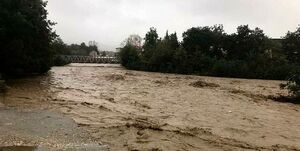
[[89, 59]]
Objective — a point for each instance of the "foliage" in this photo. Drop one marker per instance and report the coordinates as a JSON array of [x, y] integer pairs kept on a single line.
[[59, 61], [58, 47], [205, 40], [25, 36], [248, 53], [291, 45], [150, 44], [230, 68], [82, 49], [247, 44], [293, 84], [162, 56], [129, 57]]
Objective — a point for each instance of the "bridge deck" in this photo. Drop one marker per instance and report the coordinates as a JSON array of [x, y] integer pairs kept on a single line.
[[89, 59]]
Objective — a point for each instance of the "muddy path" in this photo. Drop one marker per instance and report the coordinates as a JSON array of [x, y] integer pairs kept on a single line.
[[131, 110]]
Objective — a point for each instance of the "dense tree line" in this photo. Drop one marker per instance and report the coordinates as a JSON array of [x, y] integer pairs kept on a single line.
[[61, 48], [248, 53], [25, 36]]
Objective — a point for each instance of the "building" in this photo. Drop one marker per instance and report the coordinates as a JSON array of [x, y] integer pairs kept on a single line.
[[93, 53]]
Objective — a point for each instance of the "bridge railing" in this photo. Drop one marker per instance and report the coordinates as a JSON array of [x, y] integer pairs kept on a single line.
[[89, 59]]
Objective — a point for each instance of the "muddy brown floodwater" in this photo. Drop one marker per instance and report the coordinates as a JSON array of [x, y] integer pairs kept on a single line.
[[132, 110]]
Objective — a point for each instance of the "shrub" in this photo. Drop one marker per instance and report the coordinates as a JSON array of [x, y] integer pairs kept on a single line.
[[293, 84], [278, 72], [58, 61], [129, 57], [230, 68]]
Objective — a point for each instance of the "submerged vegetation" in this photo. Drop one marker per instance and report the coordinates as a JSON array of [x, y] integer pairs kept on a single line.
[[248, 53]]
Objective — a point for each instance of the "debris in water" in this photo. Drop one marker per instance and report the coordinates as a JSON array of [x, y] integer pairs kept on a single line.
[[115, 77], [202, 84]]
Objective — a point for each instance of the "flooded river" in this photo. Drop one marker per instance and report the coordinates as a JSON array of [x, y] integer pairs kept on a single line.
[[132, 110]]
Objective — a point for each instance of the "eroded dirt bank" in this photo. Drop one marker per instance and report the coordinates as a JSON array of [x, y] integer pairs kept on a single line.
[[131, 110]]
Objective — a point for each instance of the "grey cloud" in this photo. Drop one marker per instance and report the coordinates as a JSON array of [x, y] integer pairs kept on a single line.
[[110, 21]]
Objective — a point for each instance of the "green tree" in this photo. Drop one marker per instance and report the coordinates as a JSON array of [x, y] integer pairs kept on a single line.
[[82, 49], [130, 57], [291, 46], [172, 40], [58, 47], [25, 36], [162, 56], [150, 44], [247, 44], [204, 40], [210, 51], [180, 61]]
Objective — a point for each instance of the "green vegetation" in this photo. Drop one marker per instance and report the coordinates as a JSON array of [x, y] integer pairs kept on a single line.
[[248, 53], [25, 36], [29, 46], [58, 47], [293, 84], [291, 45]]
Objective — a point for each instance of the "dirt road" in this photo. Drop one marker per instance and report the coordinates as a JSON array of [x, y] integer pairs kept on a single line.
[[131, 110]]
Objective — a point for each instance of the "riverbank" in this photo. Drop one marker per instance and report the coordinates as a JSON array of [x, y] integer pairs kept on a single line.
[[133, 110], [42, 131]]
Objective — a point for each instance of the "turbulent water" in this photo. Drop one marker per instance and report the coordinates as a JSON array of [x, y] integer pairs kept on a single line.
[[131, 110]]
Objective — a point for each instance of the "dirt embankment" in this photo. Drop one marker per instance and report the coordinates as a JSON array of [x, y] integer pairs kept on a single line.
[[130, 110]]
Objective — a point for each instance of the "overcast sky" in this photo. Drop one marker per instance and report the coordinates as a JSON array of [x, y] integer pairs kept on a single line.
[[109, 22]]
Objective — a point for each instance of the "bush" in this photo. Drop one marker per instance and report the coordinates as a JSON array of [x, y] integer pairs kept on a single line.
[[58, 61], [129, 57], [279, 72], [230, 68], [293, 84]]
